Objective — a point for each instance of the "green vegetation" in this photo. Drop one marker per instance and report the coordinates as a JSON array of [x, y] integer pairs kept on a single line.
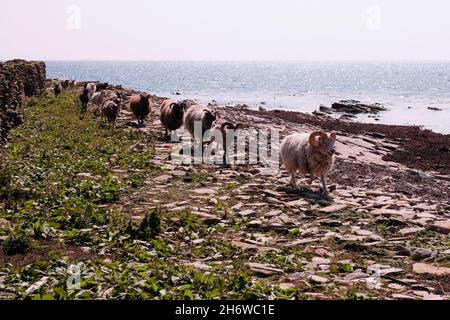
[[62, 178]]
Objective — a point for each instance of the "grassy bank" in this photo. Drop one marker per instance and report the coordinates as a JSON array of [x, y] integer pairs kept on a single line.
[[61, 176]]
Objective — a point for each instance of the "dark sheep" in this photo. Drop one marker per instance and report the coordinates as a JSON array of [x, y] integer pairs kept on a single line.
[[57, 89], [172, 114], [109, 111], [84, 98], [102, 86], [67, 84], [140, 105]]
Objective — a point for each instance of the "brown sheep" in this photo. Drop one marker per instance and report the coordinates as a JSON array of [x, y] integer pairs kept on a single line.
[[223, 127], [172, 114], [140, 105]]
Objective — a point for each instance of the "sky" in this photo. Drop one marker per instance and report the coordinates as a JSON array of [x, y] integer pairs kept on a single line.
[[255, 30]]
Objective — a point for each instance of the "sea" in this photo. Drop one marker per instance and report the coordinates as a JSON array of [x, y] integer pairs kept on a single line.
[[406, 89]]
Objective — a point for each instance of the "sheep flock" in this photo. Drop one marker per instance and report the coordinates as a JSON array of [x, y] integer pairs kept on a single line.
[[308, 154]]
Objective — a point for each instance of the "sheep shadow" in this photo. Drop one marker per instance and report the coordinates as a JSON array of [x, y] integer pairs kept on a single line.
[[167, 139], [135, 125], [308, 194]]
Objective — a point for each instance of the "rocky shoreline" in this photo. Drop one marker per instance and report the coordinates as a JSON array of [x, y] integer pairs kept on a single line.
[[417, 158], [417, 148], [388, 213], [392, 185]]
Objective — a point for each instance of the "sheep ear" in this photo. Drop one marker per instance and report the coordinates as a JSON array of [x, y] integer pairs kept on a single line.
[[210, 112], [333, 136], [172, 105], [239, 126], [312, 138]]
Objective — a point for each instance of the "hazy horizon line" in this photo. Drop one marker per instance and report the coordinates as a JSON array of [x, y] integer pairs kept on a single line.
[[238, 61]]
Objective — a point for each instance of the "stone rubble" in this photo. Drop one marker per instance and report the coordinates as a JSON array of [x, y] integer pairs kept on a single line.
[[364, 231]]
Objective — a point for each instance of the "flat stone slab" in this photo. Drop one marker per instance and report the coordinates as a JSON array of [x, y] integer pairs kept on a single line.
[[424, 268], [247, 213], [317, 279], [334, 208], [206, 217], [410, 231], [163, 178], [264, 269], [205, 191], [440, 226]]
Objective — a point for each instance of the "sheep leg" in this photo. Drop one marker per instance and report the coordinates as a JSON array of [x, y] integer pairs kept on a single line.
[[324, 186], [293, 182]]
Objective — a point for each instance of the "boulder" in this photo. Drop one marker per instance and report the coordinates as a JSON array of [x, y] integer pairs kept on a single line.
[[18, 79], [356, 107]]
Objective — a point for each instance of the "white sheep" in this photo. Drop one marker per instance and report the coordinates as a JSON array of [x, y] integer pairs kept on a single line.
[[92, 89], [97, 100], [198, 113], [310, 154]]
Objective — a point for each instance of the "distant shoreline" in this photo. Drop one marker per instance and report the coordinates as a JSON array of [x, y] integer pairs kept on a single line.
[[421, 149], [407, 89]]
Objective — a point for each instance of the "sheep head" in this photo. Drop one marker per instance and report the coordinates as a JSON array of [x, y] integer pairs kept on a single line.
[[323, 143], [225, 126], [178, 108], [209, 118]]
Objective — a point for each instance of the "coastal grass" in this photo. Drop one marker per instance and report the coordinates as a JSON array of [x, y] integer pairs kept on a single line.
[[62, 175]]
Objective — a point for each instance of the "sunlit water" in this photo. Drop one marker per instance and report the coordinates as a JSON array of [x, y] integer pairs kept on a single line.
[[406, 89]]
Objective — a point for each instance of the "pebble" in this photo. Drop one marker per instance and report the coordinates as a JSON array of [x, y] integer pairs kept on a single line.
[[4, 223], [421, 253]]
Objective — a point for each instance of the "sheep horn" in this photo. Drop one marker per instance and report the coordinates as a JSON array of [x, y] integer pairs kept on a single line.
[[312, 137], [239, 126], [226, 124], [333, 135]]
